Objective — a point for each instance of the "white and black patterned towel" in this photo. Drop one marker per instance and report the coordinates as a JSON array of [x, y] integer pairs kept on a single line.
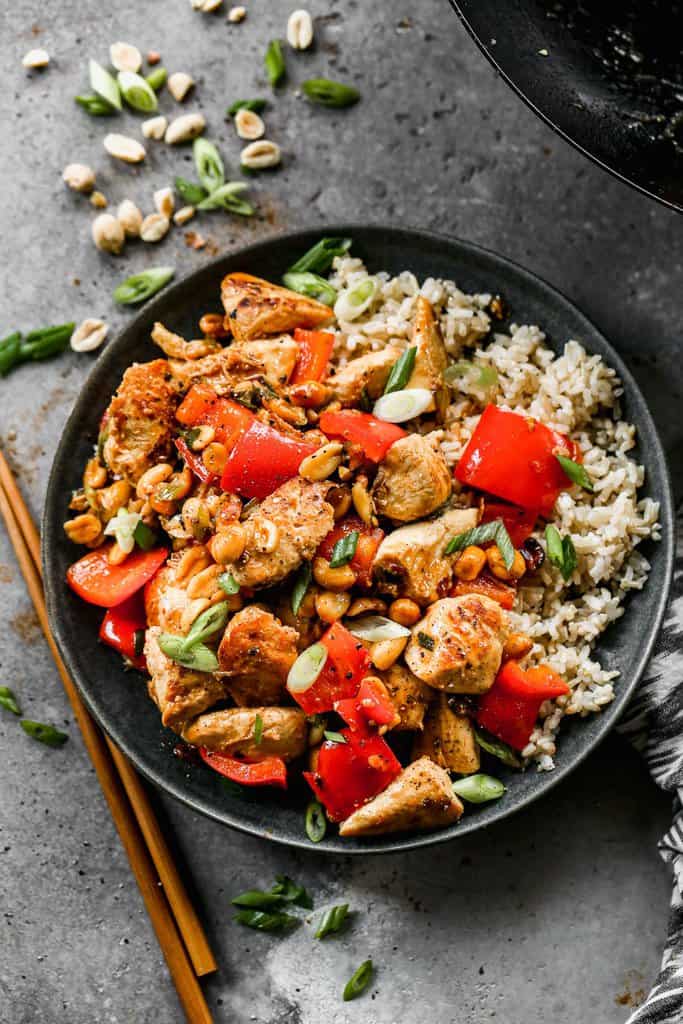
[[654, 724]]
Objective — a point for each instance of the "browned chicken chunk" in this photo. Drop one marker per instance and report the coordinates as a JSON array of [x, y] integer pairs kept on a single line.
[[458, 645], [448, 739], [180, 693], [430, 359], [368, 373], [255, 654], [270, 359], [254, 307], [232, 731], [284, 531], [413, 480], [176, 347], [139, 420], [409, 695], [410, 562], [167, 602], [420, 798]]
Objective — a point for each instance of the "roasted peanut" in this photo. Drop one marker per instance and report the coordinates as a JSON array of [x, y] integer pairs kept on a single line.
[[517, 646], [322, 463], [470, 563], [228, 545], [384, 653], [205, 583], [85, 529], [498, 567], [193, 561], [340, 500], [266, 536], [212, 324], [331, 605], [116, 555], [291, 414], [193, 609], [405, 612], [111, 499], [204, 436], [310, 394], [214, 457], [95, 474], [366, 606], [150, 479], [196, 518], [341, 578], [362, 501]]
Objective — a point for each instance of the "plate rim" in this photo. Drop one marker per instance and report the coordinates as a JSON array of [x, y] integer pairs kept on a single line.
[[396, 843]]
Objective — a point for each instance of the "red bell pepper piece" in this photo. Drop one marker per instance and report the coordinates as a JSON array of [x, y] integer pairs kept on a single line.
[[120, 626], [369, 539], [489, 586], [519, 522], [261, 460], [193, 462], [347, 664], [97, 581], [202, 405], [513, 457], [509, 710], [271, 771], [374, 436], [315, 349], [349, 774], [372, 706]]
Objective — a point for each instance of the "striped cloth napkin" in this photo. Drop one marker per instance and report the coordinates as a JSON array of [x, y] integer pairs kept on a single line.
[[653, 722]]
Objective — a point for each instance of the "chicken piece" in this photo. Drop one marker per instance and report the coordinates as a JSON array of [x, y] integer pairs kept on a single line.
[[420, 798], [430, 359], [166, 600], [139, 421], [413, 480], [410, 696], [448, 739], [366, 373], [302, 519], [176, 347], [276, 356], [458, 645], [254, 307], [410, 562], [308, 626], [231, 731], [256, 654], [180, 693], [270, 359]]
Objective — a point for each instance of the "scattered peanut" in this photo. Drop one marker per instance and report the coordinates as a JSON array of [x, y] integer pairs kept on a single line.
[[340, 500], [107, 234], [331, 606], [79, 177], [206, 6], [154, 127], [300, 30], [36, 59], [193, 561], [95, 474], [362, 500], [517, 646], [111, 499], [228, 545], [125, 57], [405, 612], [260, 155], [367, 605], [470, 563], [154, 227], [342, 578], [116, 555], [122, 147], [151, 478], [249, 125], [164, 201], [204, 583], [309, 395], [322, 463], [203, 437], [179, 84], [99, 201], [85, 529], [88, 336], [237, 14], [498, 567], [185, 128], [384, 653], [214, 457], [184, 214]]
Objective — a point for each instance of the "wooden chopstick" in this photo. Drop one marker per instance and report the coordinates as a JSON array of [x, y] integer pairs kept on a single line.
[[184, 978], [186, 917]]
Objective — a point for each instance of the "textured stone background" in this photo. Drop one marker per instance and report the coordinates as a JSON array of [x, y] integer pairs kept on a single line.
[[559, 914]]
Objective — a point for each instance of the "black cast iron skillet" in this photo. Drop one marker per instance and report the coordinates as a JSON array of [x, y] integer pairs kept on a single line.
[[606, 74], [119, 700]]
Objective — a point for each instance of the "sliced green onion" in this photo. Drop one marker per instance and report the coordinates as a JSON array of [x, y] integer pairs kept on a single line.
[[316, 822], [477, 789], [156, 79], [226, 198], [561, 551], [197, 657], [258, 730], [144, 537], [142, 286], [95, 105], [301, 585], [9, 352], [328, 93], [307, 668], [228, 584], [344, 550], [122, 526], [492, 745], [315, 287], [316, 729], [274, 62], [257, 105], [287, 890], [576, 472], [321, 256], [375, 628], [359, 981], [334, 737], [483, 378], [104, 85], [332, 921], [426, 641], [256, 898], [400, 406], [210, 169], [207, 624], [505, 546], [46, 734], [191, 193], [8, 701], [137, 93], [401, 371], [266, 921], [485, 533], [353, 302]]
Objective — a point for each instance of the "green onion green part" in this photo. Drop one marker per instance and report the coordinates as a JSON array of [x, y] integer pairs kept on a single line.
[[332, 921], [258, 730], [207, 159], [207, 624], [334, 737], [226, 198], [328, 93], [228, 584], [485, 533], [190, 192], [104, 85], [344, 550], [95, 105], [311, 285], [492, 745], [257, 105], [256, 898], [137, 92], [197, 657], [425, 640], [576, 472], [401, 371], [274, 62], [46, 734], [301, 585], [359, 981], [8, 701], [288, 891], [319, 258], [156, 79], [266, 921], [478, 789], [561, 551], [316, 822], [144, 537], [141, 287]]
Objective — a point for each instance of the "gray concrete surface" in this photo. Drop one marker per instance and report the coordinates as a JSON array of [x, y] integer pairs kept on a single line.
[[560, 914]]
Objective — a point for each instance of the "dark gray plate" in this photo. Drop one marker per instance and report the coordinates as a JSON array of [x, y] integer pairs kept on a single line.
[[118, 699]]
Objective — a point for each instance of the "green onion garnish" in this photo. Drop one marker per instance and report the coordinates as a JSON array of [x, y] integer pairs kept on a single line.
[[104, 85], [191, 193], [334, 737], [210, 170], [311, 285], [426, 641], [492, 745], [144, 537], [576, 472], [274, 62], [258, 730], [401, 371], [46, 734], [344, 550], [477, 789], [206, 624], [359, 981], [328, 93], [197, 657], [257, 105], [95, 105], [226, 198], [228, 583], [316, 822], [332, 921], [8, 701], [301, 585], [485, 533], [137, 92], [156, 79], [561, 551], [141, 287], [320, 257], [266, 921]]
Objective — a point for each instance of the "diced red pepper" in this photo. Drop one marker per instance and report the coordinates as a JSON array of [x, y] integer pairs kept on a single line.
[[513, 457], [97, 581], [262, 459], [369, 539], [349, 774], [122, 626], [509, 710], [193, 462], [347, 664], [372, 706], [519, 522], [271, 771], [489, 586], [202, 406], [315, 349], [374, 436]]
